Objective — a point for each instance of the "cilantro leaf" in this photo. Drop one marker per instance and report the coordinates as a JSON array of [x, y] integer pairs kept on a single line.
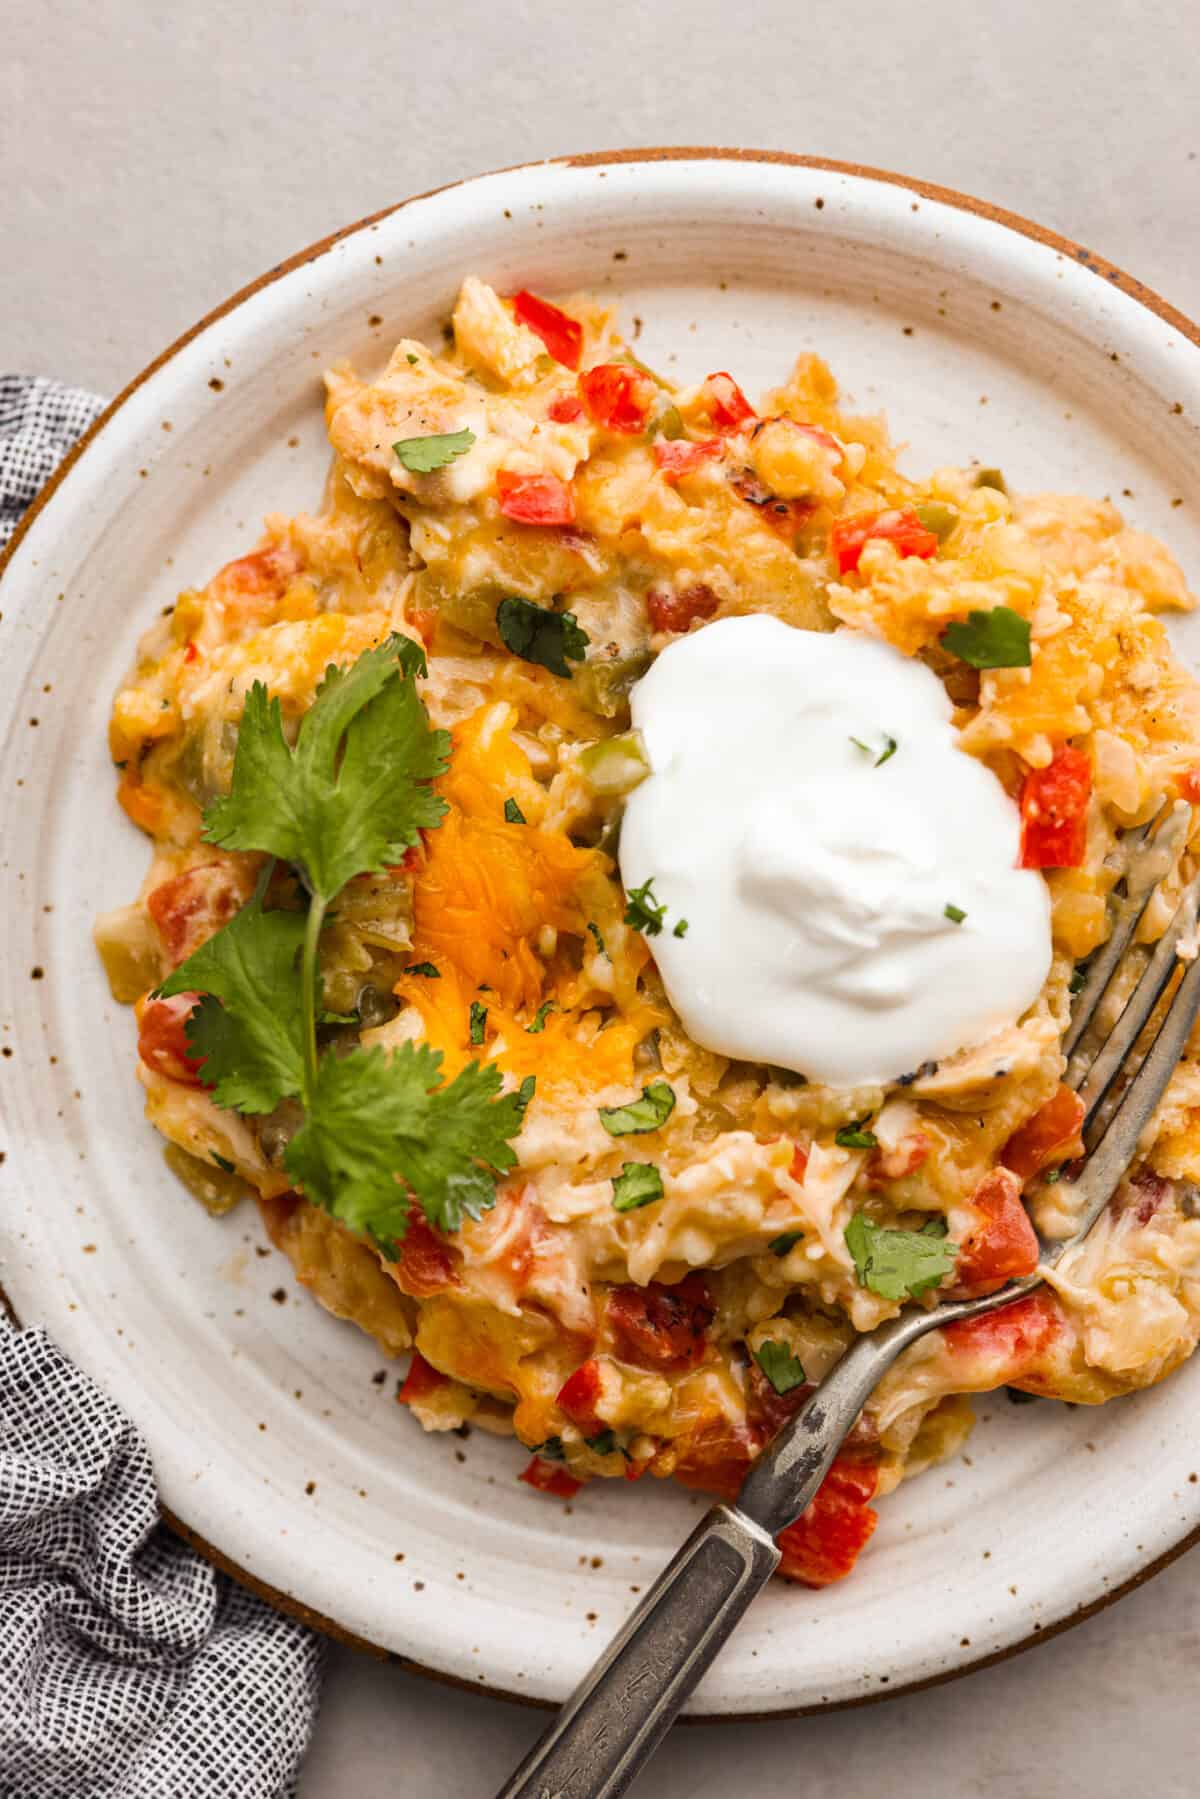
[[551, 1450], [354, 793], [538, 634], [780, 1366], [422, 455], [539, 1018], [954, 913], [638, 1184], [381, 1125], [642, 909], [997, 638], [249, 1028], [594, 930], [604, 1443], [645, 1114], [779, 1246], [855, 1136], [425, 968], [478, 1022], [513, 814], [899, 1264], [890, 746]]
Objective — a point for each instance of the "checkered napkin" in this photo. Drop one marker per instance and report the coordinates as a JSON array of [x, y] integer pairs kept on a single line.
[[129, 1668]]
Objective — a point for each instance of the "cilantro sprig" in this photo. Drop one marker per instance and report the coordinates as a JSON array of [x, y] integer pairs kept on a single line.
[[424, 455], [995, 638], [899, 1264], [381, 1128]]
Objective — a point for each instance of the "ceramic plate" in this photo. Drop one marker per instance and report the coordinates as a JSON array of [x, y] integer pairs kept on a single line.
[[274, 1429]]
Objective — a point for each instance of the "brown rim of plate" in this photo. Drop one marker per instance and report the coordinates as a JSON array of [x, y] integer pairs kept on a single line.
[[928, 190]]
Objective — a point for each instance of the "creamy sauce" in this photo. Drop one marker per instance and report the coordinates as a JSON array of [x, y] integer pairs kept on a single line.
[[814, 877]]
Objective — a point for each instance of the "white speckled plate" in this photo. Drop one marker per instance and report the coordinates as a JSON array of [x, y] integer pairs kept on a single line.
[[274, 1429]]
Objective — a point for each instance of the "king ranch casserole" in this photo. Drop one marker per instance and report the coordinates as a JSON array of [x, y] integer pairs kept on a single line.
[[480, 1131]]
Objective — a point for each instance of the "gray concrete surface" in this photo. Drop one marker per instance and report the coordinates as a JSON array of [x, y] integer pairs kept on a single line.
[[152, 160]]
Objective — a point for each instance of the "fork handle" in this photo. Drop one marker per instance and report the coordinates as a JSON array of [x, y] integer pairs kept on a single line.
[[616, 1718]]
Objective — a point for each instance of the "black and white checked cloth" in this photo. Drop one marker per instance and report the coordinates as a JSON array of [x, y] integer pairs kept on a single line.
[[129, 1668]]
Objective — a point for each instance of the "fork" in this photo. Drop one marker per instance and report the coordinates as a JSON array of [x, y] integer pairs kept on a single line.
[[614, 1721]]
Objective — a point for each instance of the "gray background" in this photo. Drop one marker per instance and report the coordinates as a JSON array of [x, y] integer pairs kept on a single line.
[[150, 165]]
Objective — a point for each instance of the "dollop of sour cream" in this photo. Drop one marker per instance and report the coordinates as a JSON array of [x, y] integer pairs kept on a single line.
[[822, 873]]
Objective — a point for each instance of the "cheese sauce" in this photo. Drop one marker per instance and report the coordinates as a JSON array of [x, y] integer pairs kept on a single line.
[[813, 875]]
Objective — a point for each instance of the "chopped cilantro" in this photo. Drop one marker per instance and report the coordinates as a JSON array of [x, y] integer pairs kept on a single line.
[[551, 1450], [478, 1021], [853, 1136], [412, 359], [899, 1264], [539, 634], [525, 1092], [382, 1129], [605, 1443], [222, 1162], [996, 638], [1052, 1176], [643, 911], [881, 756], [539, 1018], [779, 1246], [422, 455], [513, 814], [594, 929], [780, 1366], [954, 913], [646, 1114], [681, 929], [426, 968], [638, 1184]]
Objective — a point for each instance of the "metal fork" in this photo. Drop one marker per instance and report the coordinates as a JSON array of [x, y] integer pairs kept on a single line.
[[614, 1721]]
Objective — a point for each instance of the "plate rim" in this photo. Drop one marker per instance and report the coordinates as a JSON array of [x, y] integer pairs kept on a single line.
[[1099, 266]]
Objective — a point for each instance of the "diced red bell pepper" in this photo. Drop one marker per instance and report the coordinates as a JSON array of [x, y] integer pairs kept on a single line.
[[662, 1328], [191, 653], [548, 1477], [162, 1039], [421, 1380], [849, 537], [1188, 784], [1051, 1135], [566, 410], [1054, 807], [426, 1265], [536, 499], [798, 1167], [1004, 1243], [578, 1395], [1012, 1337], [680, 456], [824, 1544], [825, 438], [262, 572], [617, 397], [678, 611], [728, 406], [561, 334]]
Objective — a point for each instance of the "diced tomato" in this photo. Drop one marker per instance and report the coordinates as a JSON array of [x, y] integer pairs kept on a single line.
[[823, 1545], [1004, 1243], [578, 1396], [191, 907], [1012, 1337], [635, 1470], [162, 1039], [1189, 786], [548, 1477], [426, 1265], [728, 406], [825, 438], [662, 1328], [617, 397], [421, 1380], [715, 1457], [191, 652], [536, 499], [1054, 806], [262, 572], [677, 611], [679, 456], [561, 334], [566, 410], [1051, 1135], [798, 1167], [849, 537], [904, 1158]]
